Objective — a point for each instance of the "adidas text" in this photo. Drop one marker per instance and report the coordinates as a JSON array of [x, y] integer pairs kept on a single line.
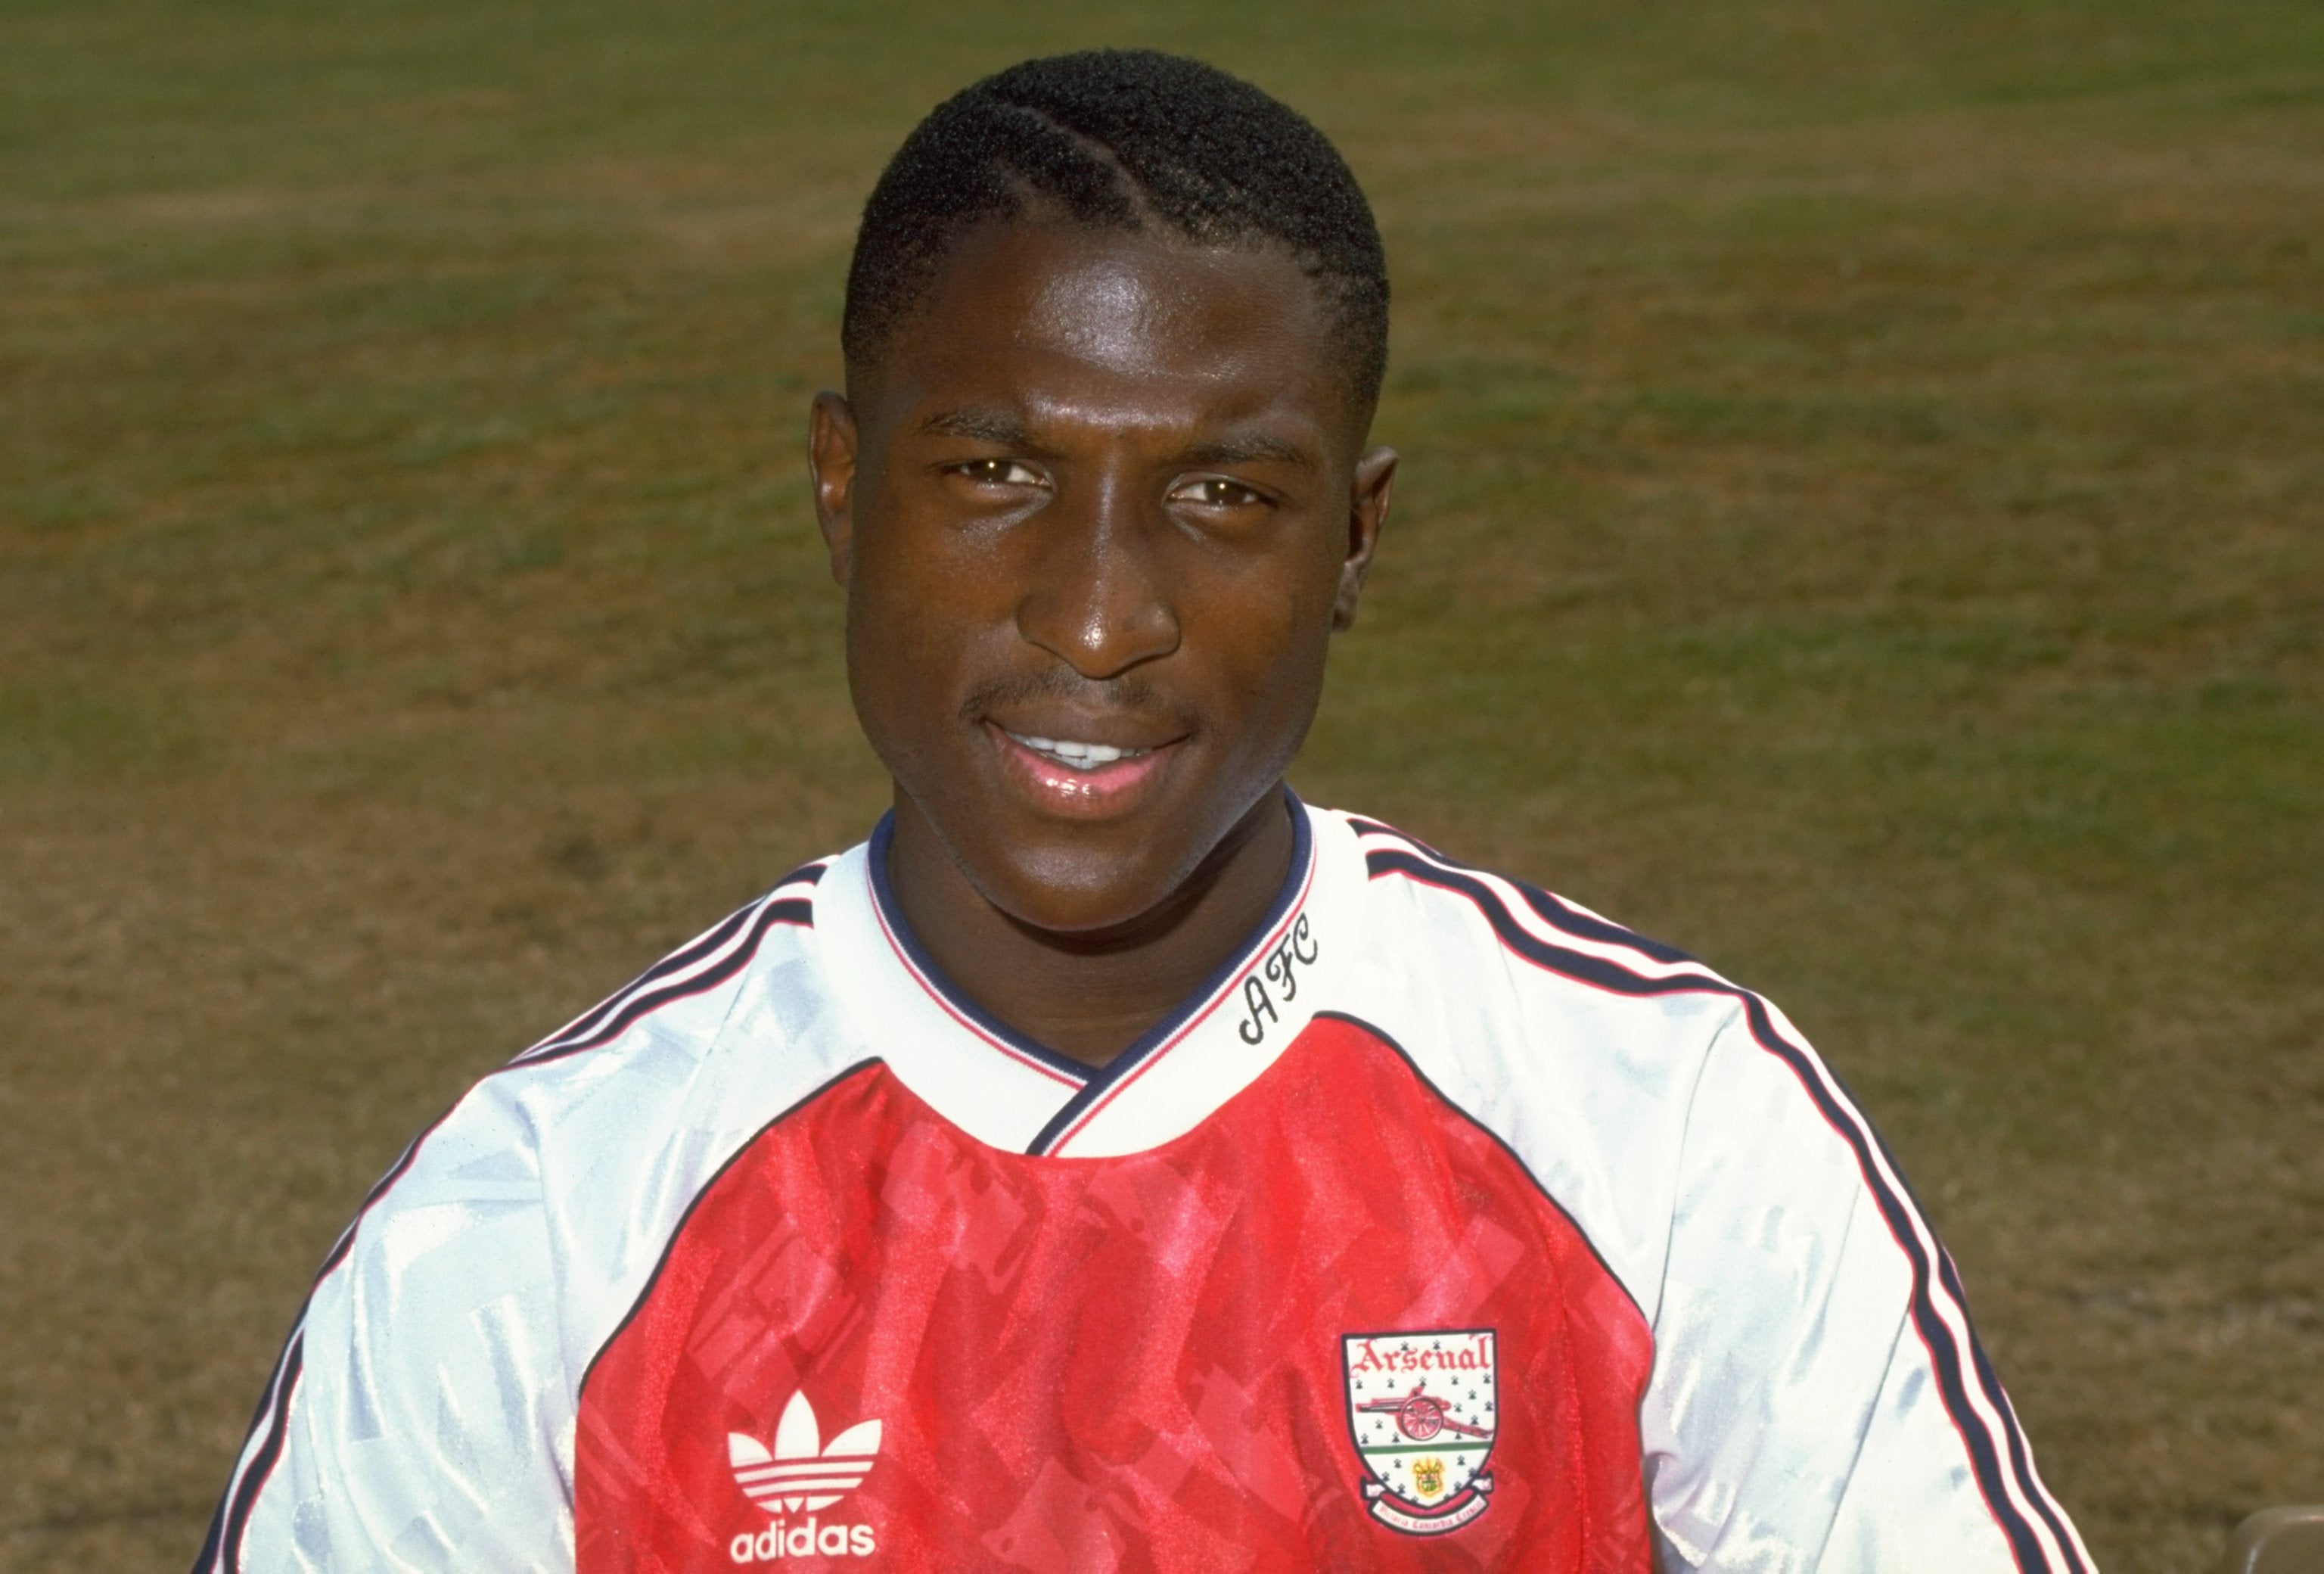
[[806, 1539]]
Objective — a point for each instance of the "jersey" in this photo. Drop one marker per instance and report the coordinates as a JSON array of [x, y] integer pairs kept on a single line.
[[1448, 1225]]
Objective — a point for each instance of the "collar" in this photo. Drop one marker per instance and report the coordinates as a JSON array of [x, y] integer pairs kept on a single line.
[[1012, 1092]]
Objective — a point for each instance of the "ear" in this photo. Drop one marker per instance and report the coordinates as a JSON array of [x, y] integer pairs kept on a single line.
[[831, 448], [1367, 513]]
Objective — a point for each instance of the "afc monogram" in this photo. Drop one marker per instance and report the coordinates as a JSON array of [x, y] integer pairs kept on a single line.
[[1294, 949]]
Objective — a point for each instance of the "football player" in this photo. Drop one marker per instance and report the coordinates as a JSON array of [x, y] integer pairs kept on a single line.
[[1115, 1162]]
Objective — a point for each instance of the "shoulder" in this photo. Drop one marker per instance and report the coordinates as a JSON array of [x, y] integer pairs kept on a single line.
[[1535, 963], [666, 1077], [691, 993], [1542, 978], [507, 1241], [1610, 1062], [1725, 1177]]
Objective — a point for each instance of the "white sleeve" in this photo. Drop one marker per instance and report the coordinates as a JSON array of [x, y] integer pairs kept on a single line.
[[421, 1417], [1818, 1401]]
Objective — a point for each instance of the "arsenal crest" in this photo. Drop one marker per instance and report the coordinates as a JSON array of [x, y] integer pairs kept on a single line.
[[1422, 1408]]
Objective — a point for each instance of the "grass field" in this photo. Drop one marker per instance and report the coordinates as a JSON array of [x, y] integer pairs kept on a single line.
[[1862, 520]]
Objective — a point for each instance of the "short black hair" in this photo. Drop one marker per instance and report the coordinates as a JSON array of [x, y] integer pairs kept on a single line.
[[1119, 139]]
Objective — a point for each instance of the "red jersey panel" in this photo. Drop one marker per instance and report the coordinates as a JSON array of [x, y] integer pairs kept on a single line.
[[1335, 1326]]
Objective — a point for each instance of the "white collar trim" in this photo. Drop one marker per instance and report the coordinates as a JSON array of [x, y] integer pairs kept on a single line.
[[1010, 1092]]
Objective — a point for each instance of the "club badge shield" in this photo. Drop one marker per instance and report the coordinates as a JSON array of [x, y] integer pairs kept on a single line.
[[1424, 1408]]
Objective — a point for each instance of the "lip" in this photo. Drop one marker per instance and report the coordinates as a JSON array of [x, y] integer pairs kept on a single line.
[[1114, 789]]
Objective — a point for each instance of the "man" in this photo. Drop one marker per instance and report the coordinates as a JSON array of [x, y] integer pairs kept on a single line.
[[1116, 1163]]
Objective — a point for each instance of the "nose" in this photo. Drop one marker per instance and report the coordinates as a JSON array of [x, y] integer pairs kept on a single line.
[[1098, 597]]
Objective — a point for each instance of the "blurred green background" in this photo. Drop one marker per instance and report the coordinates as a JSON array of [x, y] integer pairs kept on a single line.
[[1862, 520]]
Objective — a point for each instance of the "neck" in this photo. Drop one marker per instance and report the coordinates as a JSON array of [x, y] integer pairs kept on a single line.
[[1090, 994]]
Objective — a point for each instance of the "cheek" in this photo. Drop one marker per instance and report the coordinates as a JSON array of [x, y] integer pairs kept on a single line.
[[1271, 639], [902, 647], [905, 602]]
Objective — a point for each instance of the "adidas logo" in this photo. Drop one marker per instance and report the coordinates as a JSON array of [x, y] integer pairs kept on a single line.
[[802, 1473]]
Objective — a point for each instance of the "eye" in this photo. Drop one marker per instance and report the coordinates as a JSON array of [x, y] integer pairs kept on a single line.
[[1216, 492], [997, 472]]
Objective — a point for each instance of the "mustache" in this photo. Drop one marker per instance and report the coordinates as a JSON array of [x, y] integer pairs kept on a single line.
[[1126, 693]]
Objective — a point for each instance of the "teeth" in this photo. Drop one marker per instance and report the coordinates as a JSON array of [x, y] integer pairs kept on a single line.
[[1080, 757]]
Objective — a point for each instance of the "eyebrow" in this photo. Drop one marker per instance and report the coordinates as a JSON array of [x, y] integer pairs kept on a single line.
[[979, 425], [1006, 431], [1253, 448]]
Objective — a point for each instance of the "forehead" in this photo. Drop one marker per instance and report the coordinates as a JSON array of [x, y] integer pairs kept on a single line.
[[1122, 326]]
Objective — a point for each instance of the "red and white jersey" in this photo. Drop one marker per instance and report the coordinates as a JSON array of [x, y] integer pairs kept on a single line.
[[1448, 1227]]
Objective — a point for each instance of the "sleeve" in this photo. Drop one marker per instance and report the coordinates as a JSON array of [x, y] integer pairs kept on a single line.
[[420, 1417], [1819, 1401]]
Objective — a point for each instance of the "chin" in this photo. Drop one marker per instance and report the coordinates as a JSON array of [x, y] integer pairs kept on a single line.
[[1075, 885]]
